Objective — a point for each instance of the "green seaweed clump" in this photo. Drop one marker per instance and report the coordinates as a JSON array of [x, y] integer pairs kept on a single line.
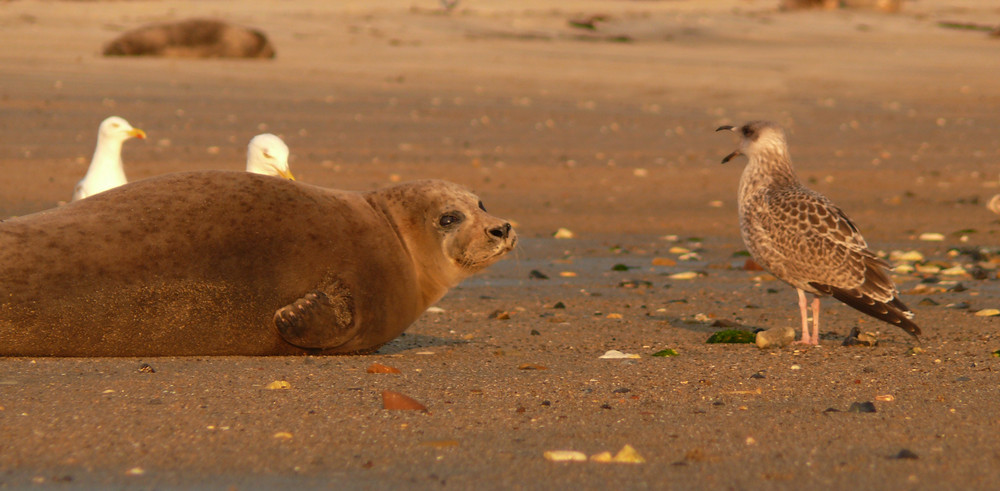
[[666, 352], [732, 336]]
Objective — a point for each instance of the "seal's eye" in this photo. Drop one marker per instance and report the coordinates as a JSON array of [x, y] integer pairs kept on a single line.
[[481, 207], [450, 219]]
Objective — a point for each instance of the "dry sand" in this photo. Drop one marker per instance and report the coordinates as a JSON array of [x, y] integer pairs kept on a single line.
[[891, 116]]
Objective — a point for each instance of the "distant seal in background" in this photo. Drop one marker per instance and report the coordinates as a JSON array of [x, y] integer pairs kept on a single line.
[[234, 263], [192, 38]]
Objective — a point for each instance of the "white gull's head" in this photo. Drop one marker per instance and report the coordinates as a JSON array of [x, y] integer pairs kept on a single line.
[[268, 155], [115, 128]]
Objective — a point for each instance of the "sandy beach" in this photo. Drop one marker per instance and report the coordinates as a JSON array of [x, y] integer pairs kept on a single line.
[[606, 132]]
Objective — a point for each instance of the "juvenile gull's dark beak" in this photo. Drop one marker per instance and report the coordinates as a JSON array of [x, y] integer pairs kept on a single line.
[[730, 156], [735, 153]]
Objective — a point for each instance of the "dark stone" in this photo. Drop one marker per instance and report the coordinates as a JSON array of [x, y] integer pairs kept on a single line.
[[862, 407], [905, 454]]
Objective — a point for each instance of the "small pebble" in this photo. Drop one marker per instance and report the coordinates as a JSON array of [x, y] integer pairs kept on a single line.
[[687, 275], [563, 233], [628, 455], [278, 385], [664, 261], [380, 368], [400, 402], [440, 443], [603, 457], [565, 456], [911, 256], [858, 338], [617, 355], [905, 454], [775, 337]]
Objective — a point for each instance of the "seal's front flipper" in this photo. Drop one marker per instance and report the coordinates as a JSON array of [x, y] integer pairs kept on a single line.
[[318, 320]]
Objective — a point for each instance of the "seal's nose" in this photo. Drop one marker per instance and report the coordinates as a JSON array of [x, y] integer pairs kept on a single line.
[[500, 232]]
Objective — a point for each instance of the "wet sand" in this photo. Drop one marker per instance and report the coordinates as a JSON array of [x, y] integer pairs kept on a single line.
[[891, 116]]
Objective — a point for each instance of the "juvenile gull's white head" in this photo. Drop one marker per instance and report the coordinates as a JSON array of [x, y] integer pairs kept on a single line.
[[757, 139], [268, 155], [106, 169]]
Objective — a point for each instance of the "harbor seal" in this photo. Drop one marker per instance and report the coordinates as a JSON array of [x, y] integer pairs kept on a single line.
[[234, 263], [192, 38]]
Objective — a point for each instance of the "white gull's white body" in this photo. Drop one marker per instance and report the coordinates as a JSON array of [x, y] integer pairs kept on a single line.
[[106, 170]]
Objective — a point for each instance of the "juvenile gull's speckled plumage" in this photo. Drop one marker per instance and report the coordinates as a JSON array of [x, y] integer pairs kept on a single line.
[[805, 240]]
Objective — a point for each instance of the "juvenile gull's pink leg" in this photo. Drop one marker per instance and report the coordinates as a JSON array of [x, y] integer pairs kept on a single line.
[[804, 309], [815, 337]]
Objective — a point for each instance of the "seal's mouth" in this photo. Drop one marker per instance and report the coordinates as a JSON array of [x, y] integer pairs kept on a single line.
[[490, 256]]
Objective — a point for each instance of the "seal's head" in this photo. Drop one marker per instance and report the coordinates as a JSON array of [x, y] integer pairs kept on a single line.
[[446, 231], [757, 137]]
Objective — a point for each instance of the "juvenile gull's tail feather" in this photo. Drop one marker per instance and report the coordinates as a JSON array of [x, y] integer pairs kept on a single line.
[[893, 312]]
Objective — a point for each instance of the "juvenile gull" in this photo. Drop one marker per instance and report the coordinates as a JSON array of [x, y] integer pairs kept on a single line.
[[106, 170], [268, 155], [805, 240]]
